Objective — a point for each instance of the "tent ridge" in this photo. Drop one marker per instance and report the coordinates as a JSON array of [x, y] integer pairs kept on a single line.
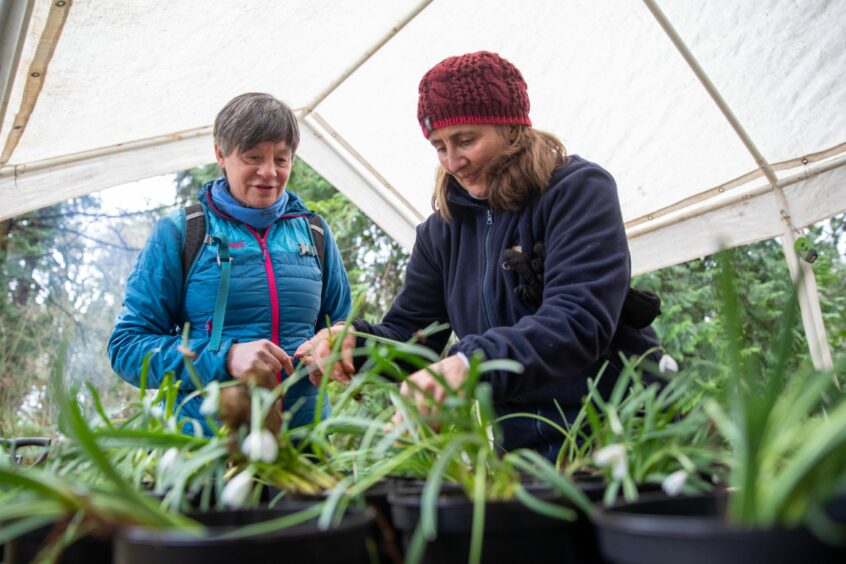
[[742, 180], [681, 214], [118, 148]]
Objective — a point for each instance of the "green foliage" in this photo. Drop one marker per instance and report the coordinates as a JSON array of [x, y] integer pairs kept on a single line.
[[691, 327], [643, 434], [375, 263], [784, 424]]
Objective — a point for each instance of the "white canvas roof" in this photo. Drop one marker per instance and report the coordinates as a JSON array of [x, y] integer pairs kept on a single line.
[[99, 93]]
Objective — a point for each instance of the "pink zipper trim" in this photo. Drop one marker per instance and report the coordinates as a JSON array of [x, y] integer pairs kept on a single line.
[[268, 269]]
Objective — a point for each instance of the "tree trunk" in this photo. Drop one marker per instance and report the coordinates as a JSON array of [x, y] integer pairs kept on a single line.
[[5, 227], [25, 282]]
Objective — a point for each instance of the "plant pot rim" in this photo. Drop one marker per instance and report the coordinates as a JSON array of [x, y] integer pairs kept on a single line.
[[173, 536], [624, 517]]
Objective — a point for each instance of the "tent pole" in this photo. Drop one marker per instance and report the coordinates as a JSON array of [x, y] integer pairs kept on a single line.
[[802, 275], [806, 287], [14, 22], [310, 107]]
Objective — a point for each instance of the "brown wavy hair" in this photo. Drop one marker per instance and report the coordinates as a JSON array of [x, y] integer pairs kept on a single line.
[[520, 172]]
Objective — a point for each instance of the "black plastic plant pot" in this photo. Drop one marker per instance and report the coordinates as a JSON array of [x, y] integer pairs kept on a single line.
[[693, 530], [345, 543], [87, 550], [512, 531], [385, 532]]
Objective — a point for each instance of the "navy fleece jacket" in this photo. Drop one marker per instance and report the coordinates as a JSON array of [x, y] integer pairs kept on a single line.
[[455, 275]]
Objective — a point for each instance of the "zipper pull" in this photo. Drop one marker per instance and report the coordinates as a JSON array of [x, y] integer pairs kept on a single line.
[[490, 217]]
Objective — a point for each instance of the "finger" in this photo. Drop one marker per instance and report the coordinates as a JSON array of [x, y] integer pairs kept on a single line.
[[439, 394], [339, 376], [346, 354], [269, 362], [321, 353], [304, 349], [288, 365], [396, 420], [315, 377], [275, 351]]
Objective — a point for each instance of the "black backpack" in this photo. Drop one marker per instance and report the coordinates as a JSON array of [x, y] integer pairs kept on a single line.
[[195, 236]]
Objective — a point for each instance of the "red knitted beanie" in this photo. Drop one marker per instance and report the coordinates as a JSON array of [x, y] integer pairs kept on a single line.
[[477, 88]]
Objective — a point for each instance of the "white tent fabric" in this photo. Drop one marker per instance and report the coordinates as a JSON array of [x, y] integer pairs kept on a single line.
[[129, 90]]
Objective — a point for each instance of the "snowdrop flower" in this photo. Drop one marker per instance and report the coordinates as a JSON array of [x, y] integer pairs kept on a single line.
[[260, 447], [157, 412], [668, 364], [168, 459], [614, 422], [615, 457], [237, 489], [673, 483], [211, 399]]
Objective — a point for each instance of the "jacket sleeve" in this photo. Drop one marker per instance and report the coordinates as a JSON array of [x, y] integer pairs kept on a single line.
[[335, 300], [147, 322], [421, 301], [586, 278]]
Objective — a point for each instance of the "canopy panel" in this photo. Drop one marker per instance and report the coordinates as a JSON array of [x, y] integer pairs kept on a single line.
[[130, 90]]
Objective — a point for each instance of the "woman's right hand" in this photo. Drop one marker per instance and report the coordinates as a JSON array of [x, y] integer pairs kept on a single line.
[[315, 354], [259, 361]]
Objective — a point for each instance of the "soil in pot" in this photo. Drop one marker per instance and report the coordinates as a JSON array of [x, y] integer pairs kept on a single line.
[[345, 543], [693, 530], [513, 532]]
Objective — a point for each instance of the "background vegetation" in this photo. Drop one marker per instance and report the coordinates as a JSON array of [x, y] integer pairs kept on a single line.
[[63, 268]]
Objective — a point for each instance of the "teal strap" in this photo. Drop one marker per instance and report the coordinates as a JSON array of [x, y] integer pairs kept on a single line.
[[225, 263]]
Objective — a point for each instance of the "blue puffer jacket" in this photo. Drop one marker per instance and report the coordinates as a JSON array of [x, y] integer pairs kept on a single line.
[[275, 293]]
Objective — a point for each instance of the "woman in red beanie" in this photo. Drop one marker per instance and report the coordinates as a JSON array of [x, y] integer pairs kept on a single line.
[[525, 258]]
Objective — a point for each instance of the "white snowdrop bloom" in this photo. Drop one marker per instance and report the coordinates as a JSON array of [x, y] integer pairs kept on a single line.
[[260, 447], [673, 483], [614, 422], [211, 399], [156, 411], [168, 458], [615, 457], [236, 490], [668, 364]]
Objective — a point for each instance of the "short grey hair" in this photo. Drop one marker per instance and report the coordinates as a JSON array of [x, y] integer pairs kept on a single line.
[[252, 118]]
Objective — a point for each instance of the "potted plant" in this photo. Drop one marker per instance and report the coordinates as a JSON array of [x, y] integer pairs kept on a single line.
[[471, 503], [786, 451]]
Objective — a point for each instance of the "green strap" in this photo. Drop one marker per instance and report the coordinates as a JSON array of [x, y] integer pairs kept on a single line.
[[225, 262]]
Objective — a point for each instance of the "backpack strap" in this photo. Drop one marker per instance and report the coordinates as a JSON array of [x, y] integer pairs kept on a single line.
[[319, 236], [224, 260], [193, 238]]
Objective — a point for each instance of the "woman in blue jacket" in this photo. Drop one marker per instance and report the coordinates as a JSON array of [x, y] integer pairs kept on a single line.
[[256, 288], [525, 257]]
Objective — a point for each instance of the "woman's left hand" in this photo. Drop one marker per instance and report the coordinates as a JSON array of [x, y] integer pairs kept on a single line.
[[422, 383]]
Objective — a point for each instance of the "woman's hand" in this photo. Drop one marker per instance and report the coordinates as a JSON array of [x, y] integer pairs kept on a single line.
[[315, 354], [258, 361], [422, 384]]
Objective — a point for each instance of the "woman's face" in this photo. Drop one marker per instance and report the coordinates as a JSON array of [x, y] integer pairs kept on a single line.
[[258, 176], [465, 151]]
